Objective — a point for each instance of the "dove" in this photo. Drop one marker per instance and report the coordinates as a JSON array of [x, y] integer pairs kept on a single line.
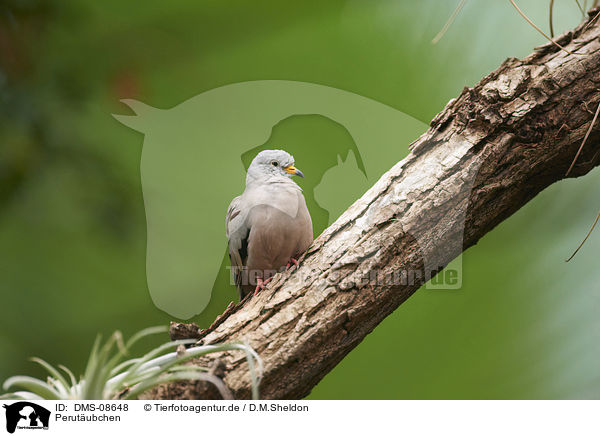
[[268, 226]]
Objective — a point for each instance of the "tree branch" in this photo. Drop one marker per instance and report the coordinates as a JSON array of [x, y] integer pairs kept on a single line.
[[489, 152]]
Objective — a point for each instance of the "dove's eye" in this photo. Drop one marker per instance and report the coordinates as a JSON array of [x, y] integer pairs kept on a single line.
[[275, 163]]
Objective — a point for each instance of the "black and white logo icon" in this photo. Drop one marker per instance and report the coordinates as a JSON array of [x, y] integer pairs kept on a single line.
[[26, 415]]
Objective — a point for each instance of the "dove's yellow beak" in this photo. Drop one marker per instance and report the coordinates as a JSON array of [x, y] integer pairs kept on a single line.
[[294, 171]]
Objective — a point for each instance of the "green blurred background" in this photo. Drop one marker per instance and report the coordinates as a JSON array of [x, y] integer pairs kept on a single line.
[[72, 223]]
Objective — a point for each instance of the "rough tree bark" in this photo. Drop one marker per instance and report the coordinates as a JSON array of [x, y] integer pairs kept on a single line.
[[489, 152]]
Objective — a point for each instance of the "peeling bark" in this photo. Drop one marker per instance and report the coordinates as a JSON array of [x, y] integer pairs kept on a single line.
[[490, 151]]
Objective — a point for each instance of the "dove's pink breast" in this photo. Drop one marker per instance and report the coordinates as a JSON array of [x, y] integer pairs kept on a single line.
[[275, 238]]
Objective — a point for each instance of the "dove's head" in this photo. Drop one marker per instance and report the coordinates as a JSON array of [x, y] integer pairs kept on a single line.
[[270, 165]]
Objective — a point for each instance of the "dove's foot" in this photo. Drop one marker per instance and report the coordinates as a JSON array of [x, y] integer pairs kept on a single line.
[[292, 261], [260, 285]]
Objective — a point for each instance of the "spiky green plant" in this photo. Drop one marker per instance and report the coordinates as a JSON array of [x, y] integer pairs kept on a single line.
[[108, 376]]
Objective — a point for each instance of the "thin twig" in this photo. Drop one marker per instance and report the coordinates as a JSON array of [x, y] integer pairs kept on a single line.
[[538, 29], [586, 238], [589, 130], [591, 22], [580, 8], [442, 32], [550, 17]]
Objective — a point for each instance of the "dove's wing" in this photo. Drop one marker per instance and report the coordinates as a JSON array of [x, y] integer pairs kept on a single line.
[[237, 234]]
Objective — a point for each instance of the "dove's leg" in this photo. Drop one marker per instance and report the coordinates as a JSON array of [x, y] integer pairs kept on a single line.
[[260, 284], [292, 261]]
